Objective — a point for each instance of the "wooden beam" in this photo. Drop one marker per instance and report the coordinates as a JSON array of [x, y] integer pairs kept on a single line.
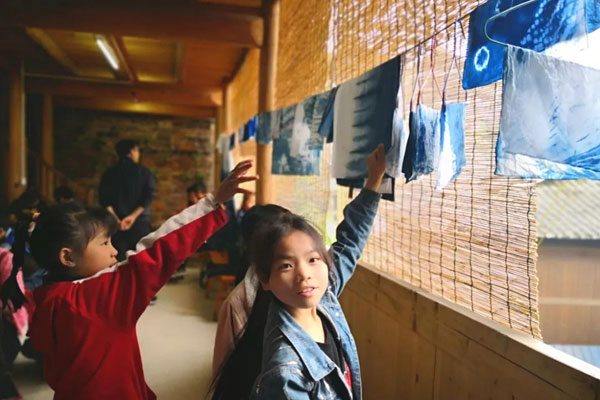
[[110, 104], [179, 21], [126, 70], [53, 49], [144, 92], [266, 98]]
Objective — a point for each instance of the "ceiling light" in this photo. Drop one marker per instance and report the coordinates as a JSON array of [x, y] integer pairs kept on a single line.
[[107, 51]]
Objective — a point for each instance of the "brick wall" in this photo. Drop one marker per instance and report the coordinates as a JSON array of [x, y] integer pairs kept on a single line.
[[176, 150]]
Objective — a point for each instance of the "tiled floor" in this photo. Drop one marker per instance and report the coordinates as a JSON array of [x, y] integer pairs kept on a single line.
[[176, 337]]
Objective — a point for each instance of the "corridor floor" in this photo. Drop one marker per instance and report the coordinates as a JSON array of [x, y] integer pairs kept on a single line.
[[176, 336]]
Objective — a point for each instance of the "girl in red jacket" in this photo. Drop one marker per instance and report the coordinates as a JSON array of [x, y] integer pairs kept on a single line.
[[86, 314]]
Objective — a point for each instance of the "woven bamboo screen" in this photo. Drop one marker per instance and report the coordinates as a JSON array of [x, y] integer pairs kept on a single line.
[[243, 90], [475, 242]]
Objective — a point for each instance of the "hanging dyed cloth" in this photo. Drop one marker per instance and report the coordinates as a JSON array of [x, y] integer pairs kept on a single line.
[[267, 125], [452, 144], [362, 119], [249, 130], [225, 144], [395, 155], [423, 147], [326, 126], [550, 123], [536, 26], [240, 134], [298, 146]]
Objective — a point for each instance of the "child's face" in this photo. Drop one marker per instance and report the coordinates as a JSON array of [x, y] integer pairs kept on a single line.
[[299, 276], [98, 255]]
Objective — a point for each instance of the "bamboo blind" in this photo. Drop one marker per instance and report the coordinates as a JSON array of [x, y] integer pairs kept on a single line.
[[475, 242], [243, 90]]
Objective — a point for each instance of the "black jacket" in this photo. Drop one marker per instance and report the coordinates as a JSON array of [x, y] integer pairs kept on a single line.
[[126, 186]]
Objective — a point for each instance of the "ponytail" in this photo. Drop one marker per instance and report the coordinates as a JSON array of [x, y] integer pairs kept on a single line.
[[11, 296]]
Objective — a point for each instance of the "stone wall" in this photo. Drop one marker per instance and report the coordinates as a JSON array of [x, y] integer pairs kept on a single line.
[[176, 150]]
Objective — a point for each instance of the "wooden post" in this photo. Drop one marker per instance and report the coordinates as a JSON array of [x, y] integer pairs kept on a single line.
[[17, 178], [219, 128], [266, 97], [48, 183]]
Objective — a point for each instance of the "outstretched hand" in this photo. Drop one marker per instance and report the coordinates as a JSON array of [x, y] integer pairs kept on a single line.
[[231, 184], [376, 168]]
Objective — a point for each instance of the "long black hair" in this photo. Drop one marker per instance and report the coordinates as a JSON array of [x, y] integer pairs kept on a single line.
[[64, 225], [242, 367], [236, 376]]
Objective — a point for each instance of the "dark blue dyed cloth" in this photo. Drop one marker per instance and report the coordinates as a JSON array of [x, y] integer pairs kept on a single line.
[[536, 27], [249, 130], [423, 147], [363, 118], [326, 126]]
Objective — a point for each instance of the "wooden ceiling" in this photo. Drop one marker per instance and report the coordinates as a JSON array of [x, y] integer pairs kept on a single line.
[[170, 52]]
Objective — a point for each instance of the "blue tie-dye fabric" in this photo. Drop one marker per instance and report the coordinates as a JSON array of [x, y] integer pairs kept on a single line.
[[395, 155], [267, 124], [550, 124], [326, 126], [423, 147], [297, 147], [249, 130], [536, 26], [363, 113], [452, 144], [363, 117]]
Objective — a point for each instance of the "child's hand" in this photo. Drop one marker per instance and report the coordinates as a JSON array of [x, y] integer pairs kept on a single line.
[[231, 184], [376, 167]]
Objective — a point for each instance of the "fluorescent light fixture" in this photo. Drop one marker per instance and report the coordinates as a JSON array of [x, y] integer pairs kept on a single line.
[[107, 51]]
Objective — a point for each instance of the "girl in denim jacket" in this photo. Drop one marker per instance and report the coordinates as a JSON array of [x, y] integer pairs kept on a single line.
[[308, 349]]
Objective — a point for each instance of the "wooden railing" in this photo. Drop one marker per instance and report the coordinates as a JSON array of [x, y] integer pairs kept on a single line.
[[49, 178]]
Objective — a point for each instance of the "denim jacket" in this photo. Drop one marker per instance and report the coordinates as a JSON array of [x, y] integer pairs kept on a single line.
[[293, 365]]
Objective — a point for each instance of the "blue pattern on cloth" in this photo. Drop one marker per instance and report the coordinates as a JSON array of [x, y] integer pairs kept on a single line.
[[423, 147], [249, 130], [536, 27], [550, 123], [267, 125], [452, 144], [224, 147], [297, 146], [363, 118], [326, 127], [395, 155]]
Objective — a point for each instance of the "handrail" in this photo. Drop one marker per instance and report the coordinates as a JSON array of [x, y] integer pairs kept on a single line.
[[49, 178]]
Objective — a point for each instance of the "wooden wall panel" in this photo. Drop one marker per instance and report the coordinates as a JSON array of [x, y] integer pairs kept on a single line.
[[414, 345]]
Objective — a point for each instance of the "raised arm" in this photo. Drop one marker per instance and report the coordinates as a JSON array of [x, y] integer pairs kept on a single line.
[[352, 233], [121, 293]]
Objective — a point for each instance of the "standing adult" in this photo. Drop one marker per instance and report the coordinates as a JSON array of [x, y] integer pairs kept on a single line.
[[126, 190]]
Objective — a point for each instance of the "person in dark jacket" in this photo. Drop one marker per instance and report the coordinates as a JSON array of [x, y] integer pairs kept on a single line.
[[126, 191]]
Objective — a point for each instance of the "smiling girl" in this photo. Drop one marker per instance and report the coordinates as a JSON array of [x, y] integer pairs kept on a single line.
[[308, 349]]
